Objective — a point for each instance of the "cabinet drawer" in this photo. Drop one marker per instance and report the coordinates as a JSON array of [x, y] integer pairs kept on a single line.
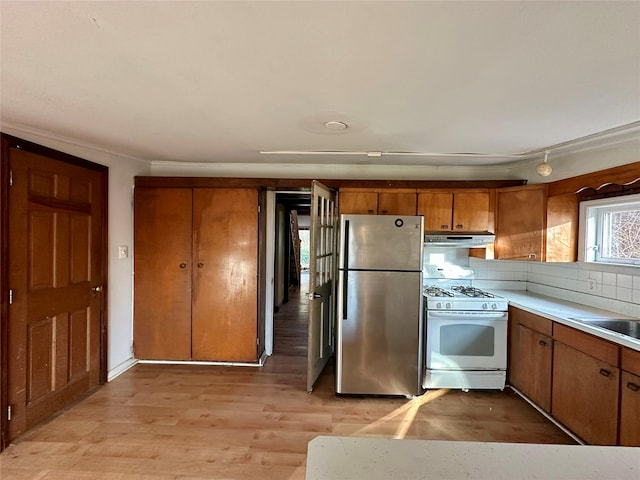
[[630, 360], [534, 322], [589, 344]]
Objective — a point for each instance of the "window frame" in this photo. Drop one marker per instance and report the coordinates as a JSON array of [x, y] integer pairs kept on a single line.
[[591, 228]]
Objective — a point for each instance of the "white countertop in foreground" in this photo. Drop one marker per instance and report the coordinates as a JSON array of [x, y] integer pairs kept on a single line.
[[563, 311], [353, 458]]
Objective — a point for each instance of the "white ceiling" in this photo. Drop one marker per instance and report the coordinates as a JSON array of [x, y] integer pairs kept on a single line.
[[222, 81]]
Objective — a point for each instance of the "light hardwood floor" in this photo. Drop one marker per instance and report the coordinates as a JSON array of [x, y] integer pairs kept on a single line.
[[202, 422]]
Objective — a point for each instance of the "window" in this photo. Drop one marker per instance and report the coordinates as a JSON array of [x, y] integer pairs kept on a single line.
[[610, 230]]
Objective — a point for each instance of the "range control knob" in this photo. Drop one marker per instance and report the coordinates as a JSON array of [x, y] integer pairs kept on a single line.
[[438, 305], [485, 306], [448, 305], [494, 306]]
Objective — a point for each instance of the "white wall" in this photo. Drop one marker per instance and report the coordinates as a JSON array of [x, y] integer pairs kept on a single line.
[[120, 287]]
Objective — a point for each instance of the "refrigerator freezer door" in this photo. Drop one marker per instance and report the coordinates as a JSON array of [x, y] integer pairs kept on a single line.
[[381, 242], [379, 323]]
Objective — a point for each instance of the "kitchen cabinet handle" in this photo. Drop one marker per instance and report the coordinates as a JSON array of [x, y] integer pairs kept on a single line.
[[183, 265], [370, 211], [200, 264], [459, 226], [543, 343], [384, 212], [444, 227], [633, 386], [605, 373]]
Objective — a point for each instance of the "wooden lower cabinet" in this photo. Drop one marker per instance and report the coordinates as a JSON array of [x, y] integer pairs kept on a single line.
[[536, 350], [630, 398], [531, 356], [196, 266], [585, 395]]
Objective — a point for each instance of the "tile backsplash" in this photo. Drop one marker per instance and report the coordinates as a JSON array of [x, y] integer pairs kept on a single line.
[[610, 287]]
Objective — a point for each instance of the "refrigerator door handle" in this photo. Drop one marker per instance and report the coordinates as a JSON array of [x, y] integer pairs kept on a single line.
[[345, 270]]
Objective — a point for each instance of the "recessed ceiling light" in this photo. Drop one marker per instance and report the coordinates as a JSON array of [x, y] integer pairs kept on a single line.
[[335, 125]]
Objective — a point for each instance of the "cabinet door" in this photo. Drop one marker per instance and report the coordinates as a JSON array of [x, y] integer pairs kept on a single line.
[[358, 202], [471, 211], [521, 221], [562, 228], [225, 270], [397, 203], [630, 410], [536, 355], [162, 281], [437, 208], [585, 395]]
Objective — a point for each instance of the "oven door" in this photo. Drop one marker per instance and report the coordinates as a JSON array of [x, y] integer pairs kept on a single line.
[[466, 340]]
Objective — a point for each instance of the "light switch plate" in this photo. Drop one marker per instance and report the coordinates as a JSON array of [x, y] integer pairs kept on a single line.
[[123, 252]]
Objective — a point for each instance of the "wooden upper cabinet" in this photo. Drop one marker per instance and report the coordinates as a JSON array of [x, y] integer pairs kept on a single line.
[[562, 228], [471, 211], [397, 203], [521, 222], [437, 208], [358, 201], [455, 210], [377, 201]]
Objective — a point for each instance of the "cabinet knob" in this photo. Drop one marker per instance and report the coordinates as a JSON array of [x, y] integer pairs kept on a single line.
[[543, 343], [200, 264], [633, 386], [183, 265], [605, 373]]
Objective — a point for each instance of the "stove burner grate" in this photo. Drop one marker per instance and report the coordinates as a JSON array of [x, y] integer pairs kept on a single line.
[[472, 291]]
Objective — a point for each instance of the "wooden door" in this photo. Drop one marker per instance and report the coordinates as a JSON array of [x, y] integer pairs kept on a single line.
[[322, 277], [471, 211], [536, 351], [437, 210], [225, 274], [585, 395], [163, 267], [521, 223], [56, 246], [397, 203], [361, 202]]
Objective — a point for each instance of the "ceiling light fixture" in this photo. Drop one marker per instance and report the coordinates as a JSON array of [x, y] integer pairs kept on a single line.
[[544, 169], [335, 126]]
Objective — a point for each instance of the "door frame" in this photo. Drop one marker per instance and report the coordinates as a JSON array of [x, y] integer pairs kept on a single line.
[[8, 142]]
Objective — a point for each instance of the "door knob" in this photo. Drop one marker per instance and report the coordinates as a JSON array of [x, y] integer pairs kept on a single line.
[[96, 290]]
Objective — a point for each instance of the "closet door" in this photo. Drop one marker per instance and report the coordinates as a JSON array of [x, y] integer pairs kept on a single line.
[[162, 282], [225, 270]]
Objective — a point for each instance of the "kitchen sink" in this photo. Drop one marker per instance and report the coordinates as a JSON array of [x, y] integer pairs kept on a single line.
[[625, 326]]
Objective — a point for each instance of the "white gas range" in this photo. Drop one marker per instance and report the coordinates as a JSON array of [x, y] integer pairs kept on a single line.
[[466, 344], [462, 297]]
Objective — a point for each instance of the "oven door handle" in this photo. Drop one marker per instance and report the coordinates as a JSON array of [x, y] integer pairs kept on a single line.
[[466, 315]]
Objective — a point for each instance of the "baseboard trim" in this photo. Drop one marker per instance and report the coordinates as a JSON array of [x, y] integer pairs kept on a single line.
[[120, 369], [259, 363], [546, 415]]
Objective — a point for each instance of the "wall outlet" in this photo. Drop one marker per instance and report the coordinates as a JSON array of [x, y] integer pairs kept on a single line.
[[591, 284]]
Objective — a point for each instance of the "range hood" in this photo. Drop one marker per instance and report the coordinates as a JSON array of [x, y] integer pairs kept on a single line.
[[458, 240]]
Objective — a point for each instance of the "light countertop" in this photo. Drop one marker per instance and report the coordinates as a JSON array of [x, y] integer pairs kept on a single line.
[[562, 311], [356, 458]]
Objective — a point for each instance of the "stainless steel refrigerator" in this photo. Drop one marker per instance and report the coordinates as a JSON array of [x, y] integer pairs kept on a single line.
[[379, 305]]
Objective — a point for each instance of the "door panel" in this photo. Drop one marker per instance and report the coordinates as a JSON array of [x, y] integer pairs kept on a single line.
[[225, 271], [162, 282], [321, 281], [55, 247]]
